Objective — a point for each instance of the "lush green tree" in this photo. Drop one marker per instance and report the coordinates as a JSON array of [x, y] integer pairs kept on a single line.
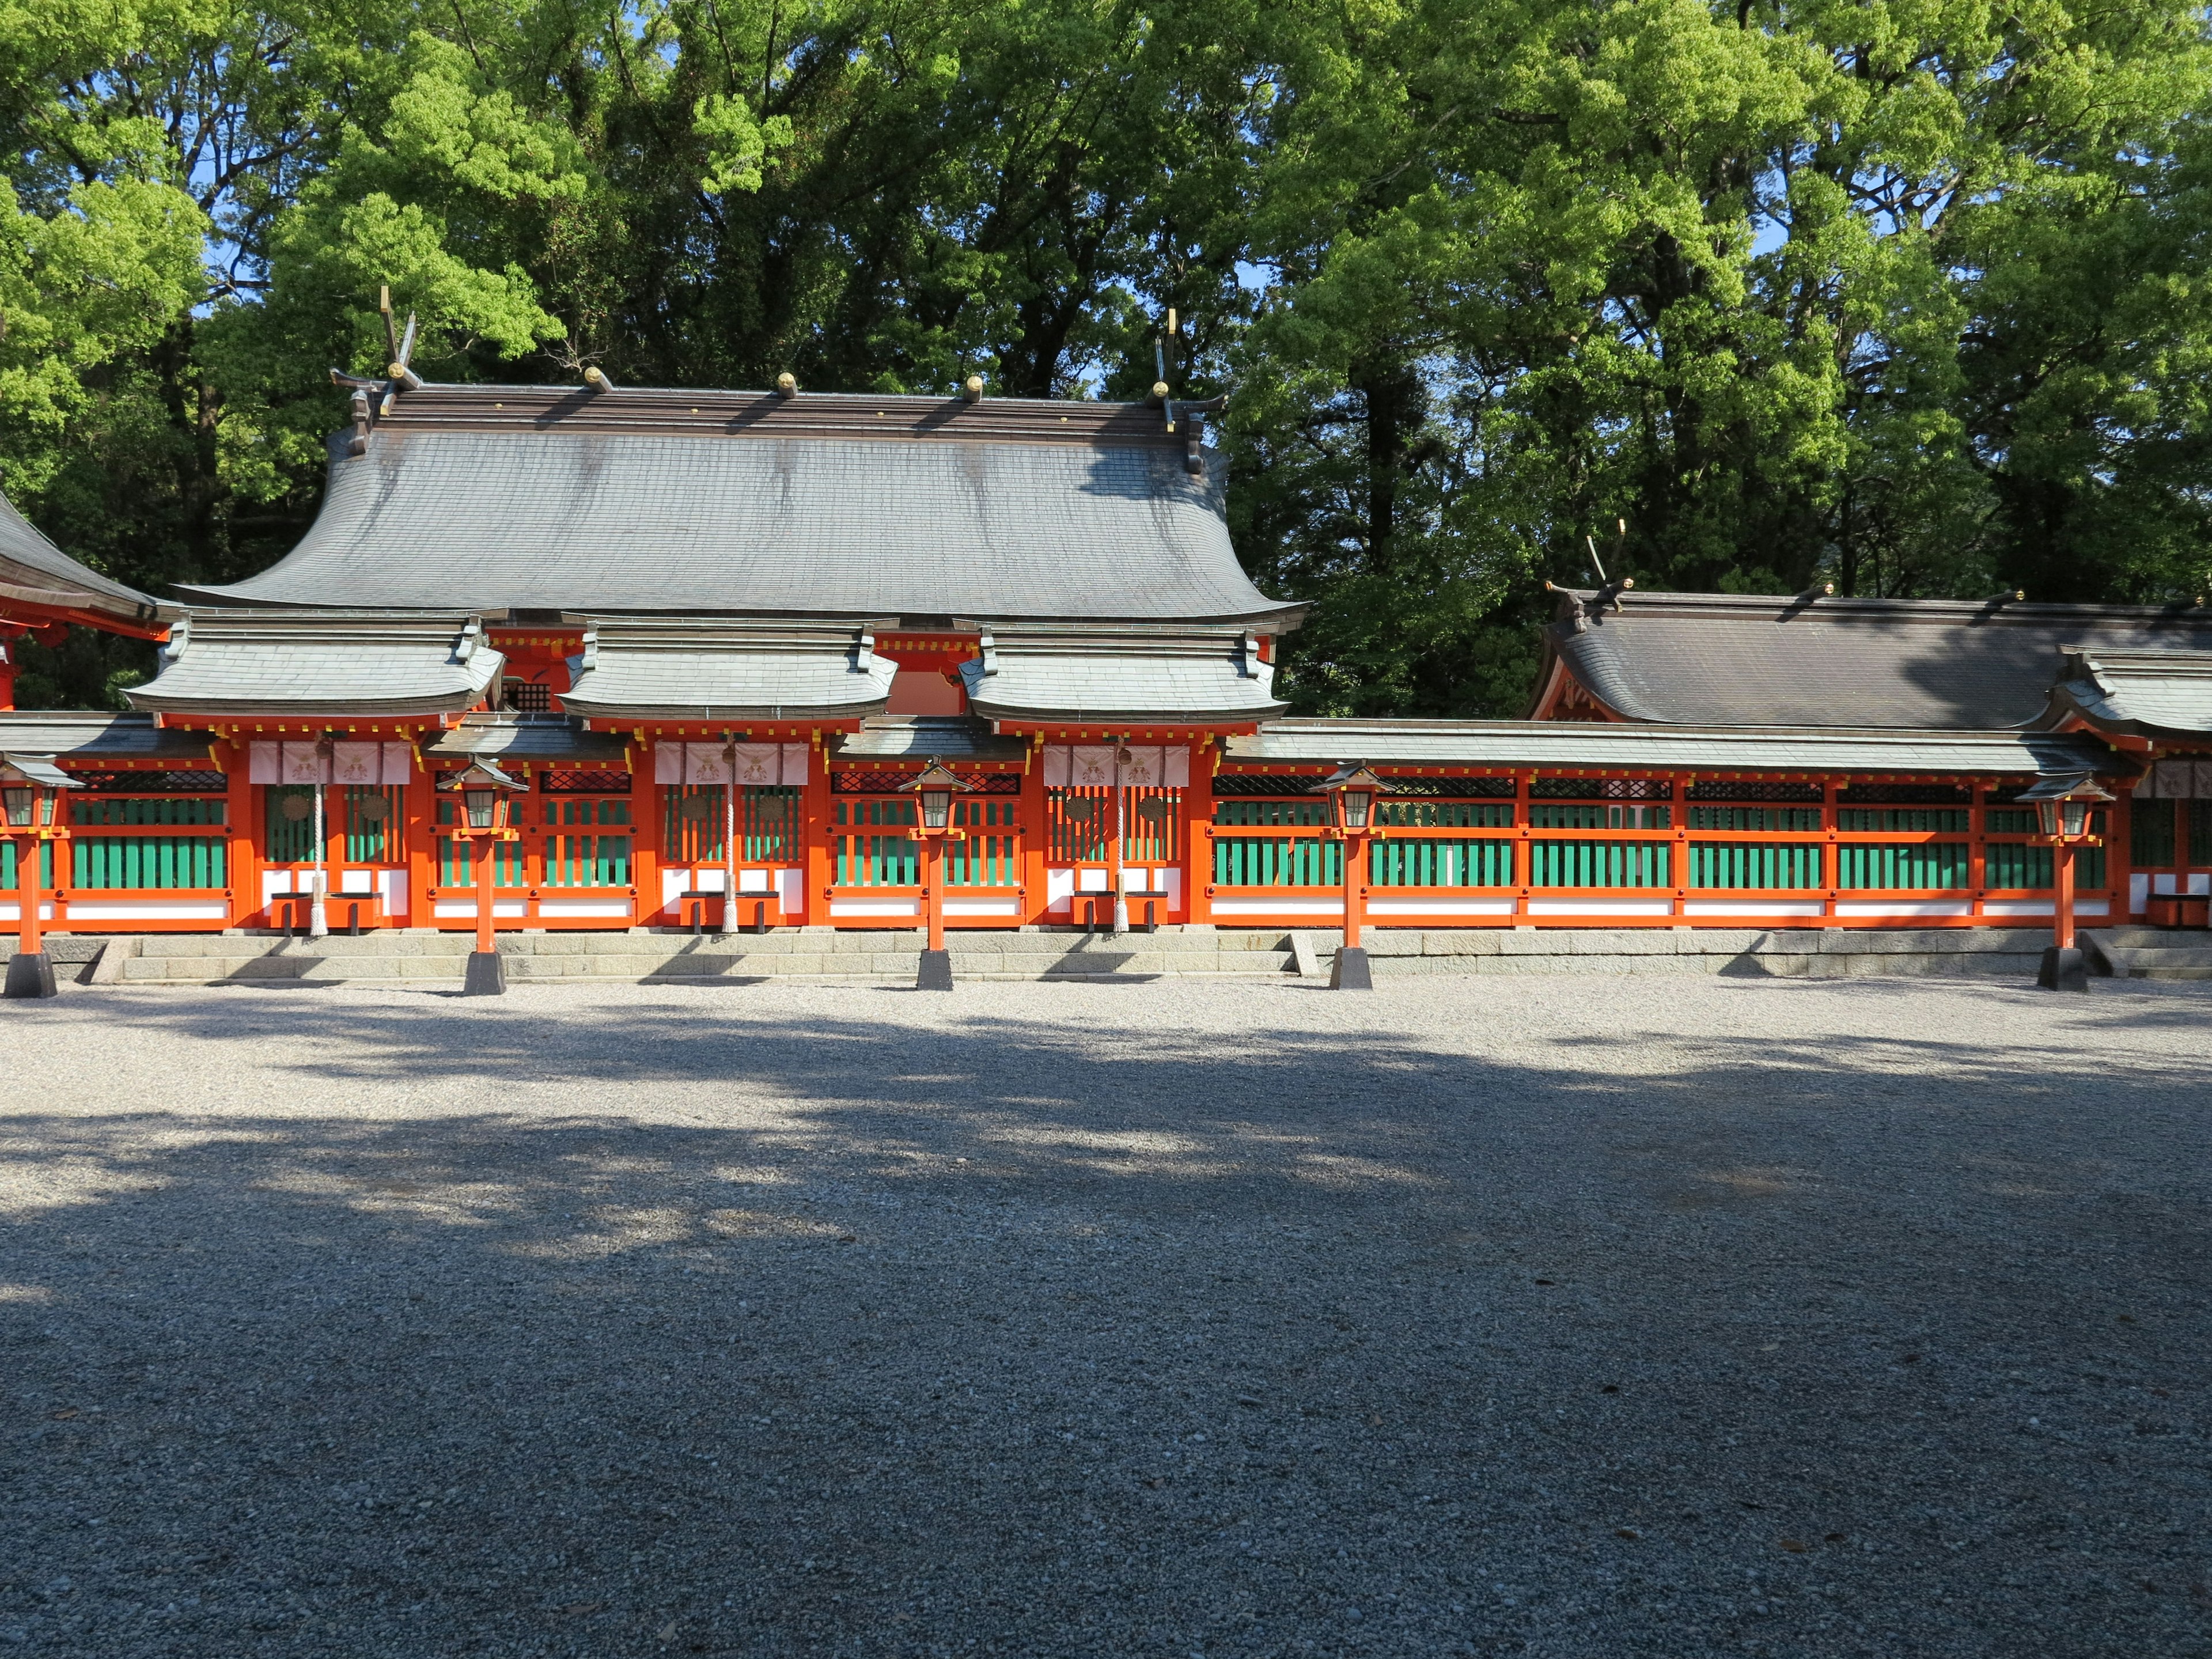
[[1902, 296], [1906, 296]]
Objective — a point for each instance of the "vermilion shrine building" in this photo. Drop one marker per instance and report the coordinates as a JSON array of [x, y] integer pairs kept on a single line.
[[637, 602]]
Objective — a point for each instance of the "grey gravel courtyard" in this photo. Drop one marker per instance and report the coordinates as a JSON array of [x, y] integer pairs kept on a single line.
[[1586, 1315]]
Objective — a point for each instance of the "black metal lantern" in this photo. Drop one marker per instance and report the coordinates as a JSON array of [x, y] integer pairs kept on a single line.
[[1354, 788], [27, 786], [937, 785], [480, 788], [2063, 804]]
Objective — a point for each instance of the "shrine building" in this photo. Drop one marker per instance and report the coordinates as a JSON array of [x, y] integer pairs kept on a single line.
[[711, 636]]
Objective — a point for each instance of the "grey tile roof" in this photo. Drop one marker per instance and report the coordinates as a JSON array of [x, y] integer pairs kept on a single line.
[[1110, 675], [532, 738], [918, 737], [844, 505], [2150, 694], [1576, 745], [692, 669], [1702, 658], [97, 737], [34, 570], [363, 663]]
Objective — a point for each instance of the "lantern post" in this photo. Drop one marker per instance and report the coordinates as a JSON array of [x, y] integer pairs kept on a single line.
[[1355, 790], [936, 784], [30, 791], [2062, 807], [486, 817]]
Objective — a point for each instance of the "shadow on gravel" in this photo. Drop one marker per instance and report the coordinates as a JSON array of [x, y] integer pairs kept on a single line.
[[615, 1332]]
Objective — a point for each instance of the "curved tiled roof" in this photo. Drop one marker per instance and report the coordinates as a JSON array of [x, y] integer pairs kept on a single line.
[[2147, 694], [33, 571], [1739, 659], [488, 498]]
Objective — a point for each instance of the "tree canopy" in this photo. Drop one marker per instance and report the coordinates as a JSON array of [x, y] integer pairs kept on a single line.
[[1906, 296]]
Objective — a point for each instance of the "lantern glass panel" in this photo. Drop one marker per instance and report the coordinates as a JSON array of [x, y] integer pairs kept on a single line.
[[479, 802], [2076, 814], [936, 808], [2046, 812], [1355, 808], [18, 800]]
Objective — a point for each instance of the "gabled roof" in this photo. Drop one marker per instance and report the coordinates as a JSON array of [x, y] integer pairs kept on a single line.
[[92, 736], [1730, 659], [2144, 694], [1563, 746], [687, 669], [925, 736], [35, 572], [749, 503], [363, 663], [1094, 677], [511, 737]]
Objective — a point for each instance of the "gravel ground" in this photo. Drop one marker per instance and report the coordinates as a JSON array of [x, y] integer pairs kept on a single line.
[[1601, 1316]]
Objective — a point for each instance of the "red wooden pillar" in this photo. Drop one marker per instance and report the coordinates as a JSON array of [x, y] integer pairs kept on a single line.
[[815, 832], [645, 833], [235, 758], [421, 843], [1198, 833], [2061, 919], [1037, 836]]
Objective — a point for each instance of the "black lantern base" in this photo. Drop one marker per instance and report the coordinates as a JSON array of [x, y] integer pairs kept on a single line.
[[30, 974], [487, 975], [1350, 972], [936, 973], [2062, 970]]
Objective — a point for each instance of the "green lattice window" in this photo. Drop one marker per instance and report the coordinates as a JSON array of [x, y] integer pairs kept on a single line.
[[1901, 820], [457, 856], [691, 818], [1271, 814], [1933, 864], [1599, 864], [1277, 861], [289, 822], [578, 851], [375, 819], [1597, 815], [1445, 814], [767, 824], [148, 861], [991, 856], [1755, 865], [1439, 863], [2018, 864], [10, 880], [1079, 822], [149, 810], [864, 860], [1754, 817], [2151, 840]]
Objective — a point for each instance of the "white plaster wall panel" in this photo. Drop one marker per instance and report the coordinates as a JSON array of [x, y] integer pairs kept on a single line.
[[1750, 907], [755, 881], [1058, 888], [1439, 907], [357, 881], [876, 907], [149, 910], [1600, 907], [1281, 907], [791, 891], [391, 885], [1905, 908], [499, 908], [583, 908], [981, 908]]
